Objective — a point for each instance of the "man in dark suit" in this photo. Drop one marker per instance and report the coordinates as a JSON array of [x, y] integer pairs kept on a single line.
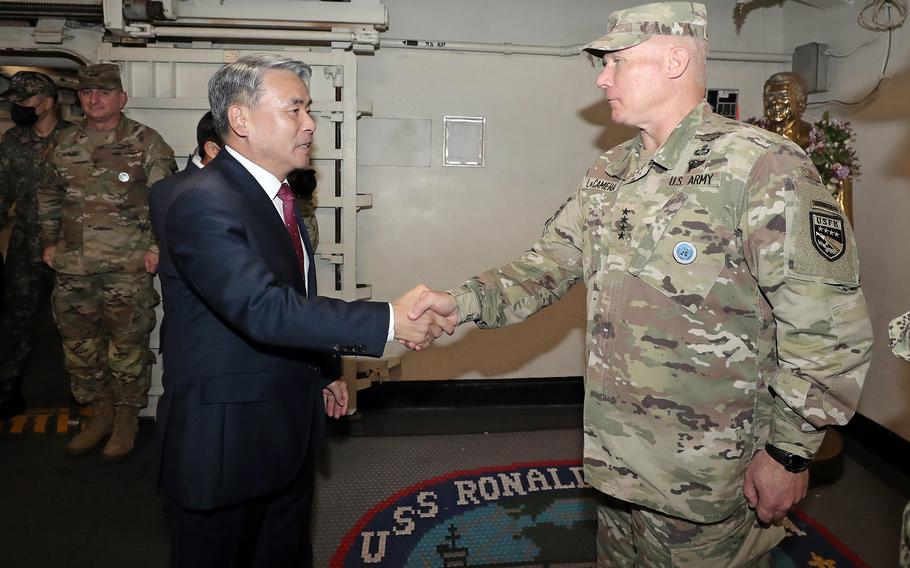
[[163, 193], [242, 407]]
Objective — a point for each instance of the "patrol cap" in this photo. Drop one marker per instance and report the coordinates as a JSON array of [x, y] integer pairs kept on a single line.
[[25, 84], [632, 26], [100, 76]]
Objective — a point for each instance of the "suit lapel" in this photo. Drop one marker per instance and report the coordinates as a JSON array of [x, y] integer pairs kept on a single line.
[[262, 209], [310, 253]]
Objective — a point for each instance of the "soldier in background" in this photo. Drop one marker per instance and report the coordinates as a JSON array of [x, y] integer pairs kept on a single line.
[[96, 234], [303, 185], [27, 280], [726, 325]]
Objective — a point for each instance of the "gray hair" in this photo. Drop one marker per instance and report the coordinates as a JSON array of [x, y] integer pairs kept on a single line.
[[240, 82]]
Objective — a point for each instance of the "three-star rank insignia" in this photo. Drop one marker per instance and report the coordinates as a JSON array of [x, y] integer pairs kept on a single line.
[[827, 234]]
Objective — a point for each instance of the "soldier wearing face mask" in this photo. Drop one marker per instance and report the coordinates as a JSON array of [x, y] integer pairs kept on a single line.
[[27, 280]]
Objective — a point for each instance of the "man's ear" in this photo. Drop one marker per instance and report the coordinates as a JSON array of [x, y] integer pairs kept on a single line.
[[123, 98], [210, 149], [677, 61], [237, 119]]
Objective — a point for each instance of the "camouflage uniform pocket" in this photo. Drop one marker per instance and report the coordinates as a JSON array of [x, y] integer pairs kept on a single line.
[[684, 259]]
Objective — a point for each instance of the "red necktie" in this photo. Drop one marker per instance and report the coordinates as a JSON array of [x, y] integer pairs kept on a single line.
[[290, 223]]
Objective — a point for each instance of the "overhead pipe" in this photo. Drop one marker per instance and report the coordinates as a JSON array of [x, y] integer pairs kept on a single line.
[[503, 48], [251, 33], [558, 50], [371, 37]]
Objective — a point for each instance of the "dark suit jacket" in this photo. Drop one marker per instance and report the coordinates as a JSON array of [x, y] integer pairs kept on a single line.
[[161, 195], [242, 399]]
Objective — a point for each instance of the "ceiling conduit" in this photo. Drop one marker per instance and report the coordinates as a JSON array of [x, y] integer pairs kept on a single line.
[[558, 51]]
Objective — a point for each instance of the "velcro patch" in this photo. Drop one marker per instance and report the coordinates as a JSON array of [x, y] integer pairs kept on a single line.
[[827, 234], [819, 244]]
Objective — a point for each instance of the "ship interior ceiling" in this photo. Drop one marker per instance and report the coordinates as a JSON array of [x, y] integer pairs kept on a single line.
[[424, 110]]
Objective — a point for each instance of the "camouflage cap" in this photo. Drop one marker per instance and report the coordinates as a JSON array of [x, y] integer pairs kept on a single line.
[[634, 25], [25, 84], [100, 76]]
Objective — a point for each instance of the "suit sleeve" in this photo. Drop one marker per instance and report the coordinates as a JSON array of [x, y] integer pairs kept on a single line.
[[331, 369], [158, 206], [159, 164], [210, 244], [801, 251]]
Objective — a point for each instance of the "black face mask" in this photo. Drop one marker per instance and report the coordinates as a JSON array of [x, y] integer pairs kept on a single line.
[[23, 116]]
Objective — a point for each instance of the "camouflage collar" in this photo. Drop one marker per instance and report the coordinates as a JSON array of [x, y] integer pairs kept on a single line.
[[32, 135], [123, 128], [668, 155]]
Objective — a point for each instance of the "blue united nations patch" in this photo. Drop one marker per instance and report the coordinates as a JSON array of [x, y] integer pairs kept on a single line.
[[684, 252]]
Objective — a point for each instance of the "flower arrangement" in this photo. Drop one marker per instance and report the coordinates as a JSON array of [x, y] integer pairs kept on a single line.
[[831, 149], [759, 121]]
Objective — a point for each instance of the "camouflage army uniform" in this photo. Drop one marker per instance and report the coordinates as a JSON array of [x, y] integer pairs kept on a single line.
[[27, 280], [308, 215], [717, 271], [899, 336], [94, 208]]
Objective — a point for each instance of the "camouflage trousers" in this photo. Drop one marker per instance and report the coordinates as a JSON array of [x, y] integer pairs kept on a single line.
[[629, 535], [105, 321], [26, 286]]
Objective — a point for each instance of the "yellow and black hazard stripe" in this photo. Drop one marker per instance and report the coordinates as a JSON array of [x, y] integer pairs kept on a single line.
[[44, 421]]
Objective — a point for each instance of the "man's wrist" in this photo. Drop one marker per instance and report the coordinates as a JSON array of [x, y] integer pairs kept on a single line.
[[792, 462]]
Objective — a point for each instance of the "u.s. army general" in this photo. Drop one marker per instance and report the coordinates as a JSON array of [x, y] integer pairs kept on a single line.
[[726, 325]]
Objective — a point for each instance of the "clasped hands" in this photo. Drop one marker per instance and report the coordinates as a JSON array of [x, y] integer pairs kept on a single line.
[[422, 316]]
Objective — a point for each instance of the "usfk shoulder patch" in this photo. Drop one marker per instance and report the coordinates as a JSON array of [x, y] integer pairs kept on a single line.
[[827, 234]]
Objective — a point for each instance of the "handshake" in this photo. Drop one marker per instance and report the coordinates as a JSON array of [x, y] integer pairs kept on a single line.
[[422, 315]]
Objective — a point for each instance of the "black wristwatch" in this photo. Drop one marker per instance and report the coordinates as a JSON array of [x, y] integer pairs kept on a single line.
[[791, 462]]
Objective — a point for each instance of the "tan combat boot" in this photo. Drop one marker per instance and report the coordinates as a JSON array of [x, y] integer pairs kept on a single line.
[[99, 425], [126, 426]]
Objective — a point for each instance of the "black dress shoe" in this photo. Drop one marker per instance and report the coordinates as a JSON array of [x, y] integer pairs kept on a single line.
[[12, 406]]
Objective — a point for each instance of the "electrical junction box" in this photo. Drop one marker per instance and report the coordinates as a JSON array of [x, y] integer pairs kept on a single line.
[[811, 61]]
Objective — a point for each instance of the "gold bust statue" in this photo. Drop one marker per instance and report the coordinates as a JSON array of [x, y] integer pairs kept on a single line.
[[785, 97]]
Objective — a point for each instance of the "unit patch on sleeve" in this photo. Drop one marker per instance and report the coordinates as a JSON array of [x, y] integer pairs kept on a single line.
[[827, 234]]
